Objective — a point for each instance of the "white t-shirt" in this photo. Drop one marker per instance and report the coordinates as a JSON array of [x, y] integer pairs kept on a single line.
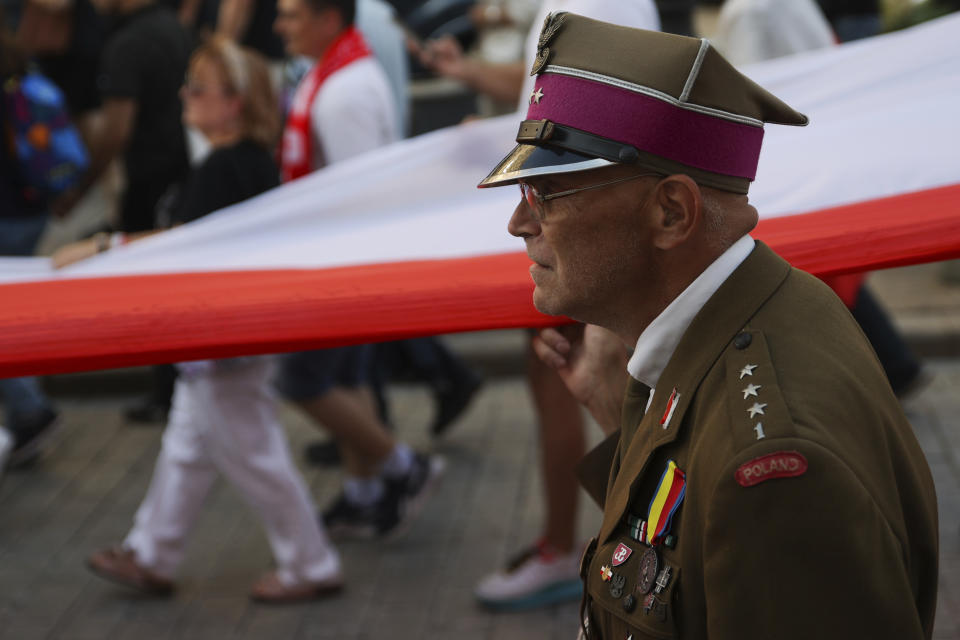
[[375, 19], [354, 111], [754, 30], [639, 14]]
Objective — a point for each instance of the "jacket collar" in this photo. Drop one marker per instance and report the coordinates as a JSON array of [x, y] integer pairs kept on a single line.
[[661, 337], [711, 331]]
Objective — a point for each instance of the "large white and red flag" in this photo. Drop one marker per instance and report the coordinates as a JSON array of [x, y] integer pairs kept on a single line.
[[400, 243]]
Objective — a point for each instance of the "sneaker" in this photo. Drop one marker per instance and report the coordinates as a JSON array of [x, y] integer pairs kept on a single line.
[[537, 577], [391, 515], [32, 435], [345, 520], [408, 493]]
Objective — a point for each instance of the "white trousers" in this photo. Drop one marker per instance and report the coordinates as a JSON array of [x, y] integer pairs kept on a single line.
[[224, 419]]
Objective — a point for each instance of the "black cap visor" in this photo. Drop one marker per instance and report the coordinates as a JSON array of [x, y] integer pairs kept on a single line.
[[528, 161]]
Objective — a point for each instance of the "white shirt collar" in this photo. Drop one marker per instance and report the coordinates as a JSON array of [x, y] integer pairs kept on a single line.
[[659, 340]]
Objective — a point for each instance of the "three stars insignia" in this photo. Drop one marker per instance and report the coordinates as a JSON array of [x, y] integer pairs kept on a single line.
[[751, 390]]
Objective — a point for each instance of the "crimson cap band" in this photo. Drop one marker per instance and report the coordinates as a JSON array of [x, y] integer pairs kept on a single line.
[[607, 94]]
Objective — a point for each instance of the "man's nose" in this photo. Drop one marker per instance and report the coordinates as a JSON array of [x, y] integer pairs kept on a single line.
[[523, 223]]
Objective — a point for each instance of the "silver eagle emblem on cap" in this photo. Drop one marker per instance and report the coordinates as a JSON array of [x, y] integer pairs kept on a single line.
[[551, 25]]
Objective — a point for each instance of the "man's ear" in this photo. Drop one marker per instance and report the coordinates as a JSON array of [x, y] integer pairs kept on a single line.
[[678, 211]]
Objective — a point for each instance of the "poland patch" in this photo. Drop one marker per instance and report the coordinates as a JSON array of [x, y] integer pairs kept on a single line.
[[781, 464]]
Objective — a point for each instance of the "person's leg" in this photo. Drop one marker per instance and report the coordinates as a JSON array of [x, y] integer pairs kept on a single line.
[[182, 478], [384, 481], [249, 446], [452, 381], [902, 367], [30, 417], [350, 417], [562, 445], [155, 406], [382, 368], [329, 386], [22, 397], [547, 572], [7, 440]]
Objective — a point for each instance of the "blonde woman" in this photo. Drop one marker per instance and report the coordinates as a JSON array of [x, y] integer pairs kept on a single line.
[[223, 417]]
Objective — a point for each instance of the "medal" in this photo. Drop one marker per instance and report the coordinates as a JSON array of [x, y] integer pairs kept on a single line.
[[663, 580], [648, 603], [649, 563], [666, 501], [638, 528], [616, 585]]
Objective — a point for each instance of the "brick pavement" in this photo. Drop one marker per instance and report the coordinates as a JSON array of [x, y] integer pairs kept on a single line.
[[83, 496]]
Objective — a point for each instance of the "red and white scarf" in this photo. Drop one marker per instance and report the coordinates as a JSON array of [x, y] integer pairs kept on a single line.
[[297, 153]]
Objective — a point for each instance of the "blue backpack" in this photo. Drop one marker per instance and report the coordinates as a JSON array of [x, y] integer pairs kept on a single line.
[[46, 145]]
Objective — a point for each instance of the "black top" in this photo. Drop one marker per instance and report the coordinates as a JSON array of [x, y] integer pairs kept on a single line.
[[75, 70], [228, 175], [260, 34], [837, 8], [145, 59]]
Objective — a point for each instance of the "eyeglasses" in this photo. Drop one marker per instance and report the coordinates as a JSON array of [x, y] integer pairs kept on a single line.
[[535, 199]]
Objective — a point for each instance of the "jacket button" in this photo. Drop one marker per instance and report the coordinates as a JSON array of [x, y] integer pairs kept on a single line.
[[629, 603], [742, 341]]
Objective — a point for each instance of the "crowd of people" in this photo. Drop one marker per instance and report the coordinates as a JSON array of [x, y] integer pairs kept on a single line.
[[195, 119], [204, 104]]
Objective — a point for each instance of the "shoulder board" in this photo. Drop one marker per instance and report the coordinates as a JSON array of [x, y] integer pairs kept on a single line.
[[757, 408]]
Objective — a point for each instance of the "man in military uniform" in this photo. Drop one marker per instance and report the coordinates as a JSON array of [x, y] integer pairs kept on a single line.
[[764, 482]]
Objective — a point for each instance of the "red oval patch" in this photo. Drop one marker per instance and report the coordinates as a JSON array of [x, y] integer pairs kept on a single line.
[[781, 464]]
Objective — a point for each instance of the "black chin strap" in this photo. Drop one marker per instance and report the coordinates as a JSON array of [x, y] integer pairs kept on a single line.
[[551, 134]]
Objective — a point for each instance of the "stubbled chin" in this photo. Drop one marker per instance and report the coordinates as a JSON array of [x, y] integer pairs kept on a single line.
[[543, 302]]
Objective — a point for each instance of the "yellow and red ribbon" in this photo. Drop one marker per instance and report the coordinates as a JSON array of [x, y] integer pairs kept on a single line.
[[666, 500]]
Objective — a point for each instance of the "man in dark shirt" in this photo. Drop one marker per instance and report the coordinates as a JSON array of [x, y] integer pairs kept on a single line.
[[141, 70]]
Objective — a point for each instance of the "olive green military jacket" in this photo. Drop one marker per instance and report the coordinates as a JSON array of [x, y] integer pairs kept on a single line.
[[808, 508]]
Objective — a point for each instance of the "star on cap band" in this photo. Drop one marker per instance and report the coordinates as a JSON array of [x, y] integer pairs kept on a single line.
[[611, 94]]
